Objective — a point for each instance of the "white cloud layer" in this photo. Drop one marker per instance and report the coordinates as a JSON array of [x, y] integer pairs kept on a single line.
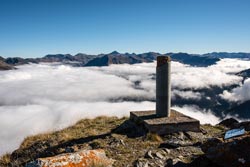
[[205, 117], [238, 94], [20, 121], [186, 94], [185, 76], [39, 98]]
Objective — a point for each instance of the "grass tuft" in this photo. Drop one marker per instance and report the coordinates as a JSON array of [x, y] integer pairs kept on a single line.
[[154, 137], [5, 160]]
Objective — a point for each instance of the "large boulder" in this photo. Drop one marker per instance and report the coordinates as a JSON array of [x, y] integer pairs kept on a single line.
[[245, 125], [83, 158], [232, 123], [233, 152], [229, 123]]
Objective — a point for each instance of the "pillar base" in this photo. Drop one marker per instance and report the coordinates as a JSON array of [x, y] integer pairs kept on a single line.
[[164, 125]]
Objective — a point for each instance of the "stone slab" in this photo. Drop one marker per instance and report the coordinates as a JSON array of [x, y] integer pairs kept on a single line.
[[164, 125], [83, 158]]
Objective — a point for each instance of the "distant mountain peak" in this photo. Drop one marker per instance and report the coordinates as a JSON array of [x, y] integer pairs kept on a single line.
[[5, 66], [115, 53]]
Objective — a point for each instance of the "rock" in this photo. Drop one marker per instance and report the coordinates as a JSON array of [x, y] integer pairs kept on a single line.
[[181, 136], [87, 158], [169, 162], [175, 144], [167, 150], [180, 164], [241, 160], [203, 131], [180, 157], [95, 145], [149, 155], [159, 155], [246, 125], [169, 145], [229, 123], [69, 150], [197, 144], [122, 142], [194, 136], [232, 152], [141, 163], [211, 143], [159, 163], [130, 129], [203, 161]]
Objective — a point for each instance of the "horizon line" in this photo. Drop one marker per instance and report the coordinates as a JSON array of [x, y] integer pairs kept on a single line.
[[117, 52]]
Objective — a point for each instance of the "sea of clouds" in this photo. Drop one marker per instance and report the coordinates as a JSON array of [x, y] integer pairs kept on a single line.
[[38, 98]]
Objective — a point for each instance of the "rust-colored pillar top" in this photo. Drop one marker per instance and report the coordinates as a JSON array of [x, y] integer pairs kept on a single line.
[[161, 60]]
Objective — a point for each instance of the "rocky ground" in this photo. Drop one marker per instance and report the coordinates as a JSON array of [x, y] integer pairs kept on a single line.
[[131, 146]]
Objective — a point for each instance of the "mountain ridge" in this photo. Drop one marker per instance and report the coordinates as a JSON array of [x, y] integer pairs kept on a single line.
[[114, 57], [5, 66]]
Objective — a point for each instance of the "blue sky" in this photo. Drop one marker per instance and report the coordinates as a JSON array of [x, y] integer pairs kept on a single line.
[[34, 28]]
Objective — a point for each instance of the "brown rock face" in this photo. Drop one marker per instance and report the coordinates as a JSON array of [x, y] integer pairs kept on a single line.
[[84, 158], [232, 152]]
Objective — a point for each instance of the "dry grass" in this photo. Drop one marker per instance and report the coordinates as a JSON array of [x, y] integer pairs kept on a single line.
[[100, 164], [5, 160], [83, 128], [117, 146], [33, 146], [90, 134], [154, 137]]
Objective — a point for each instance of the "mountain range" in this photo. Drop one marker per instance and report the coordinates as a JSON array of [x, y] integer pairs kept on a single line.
[[239, 55], [115, 57], [214, 102], [5, 66]]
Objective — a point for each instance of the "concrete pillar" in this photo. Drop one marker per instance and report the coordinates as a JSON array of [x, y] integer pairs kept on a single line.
[[163, 86]]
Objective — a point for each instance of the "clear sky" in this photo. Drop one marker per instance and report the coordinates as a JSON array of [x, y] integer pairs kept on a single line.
[[34, 28]]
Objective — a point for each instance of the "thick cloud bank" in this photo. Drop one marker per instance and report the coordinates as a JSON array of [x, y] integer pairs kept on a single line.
[[38, 98], [44, 97], [239, 94], [203, 116]]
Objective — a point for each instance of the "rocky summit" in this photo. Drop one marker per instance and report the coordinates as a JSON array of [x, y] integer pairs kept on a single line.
[[118, 142]]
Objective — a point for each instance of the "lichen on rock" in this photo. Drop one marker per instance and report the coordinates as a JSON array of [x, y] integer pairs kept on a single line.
[[83, 158]]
